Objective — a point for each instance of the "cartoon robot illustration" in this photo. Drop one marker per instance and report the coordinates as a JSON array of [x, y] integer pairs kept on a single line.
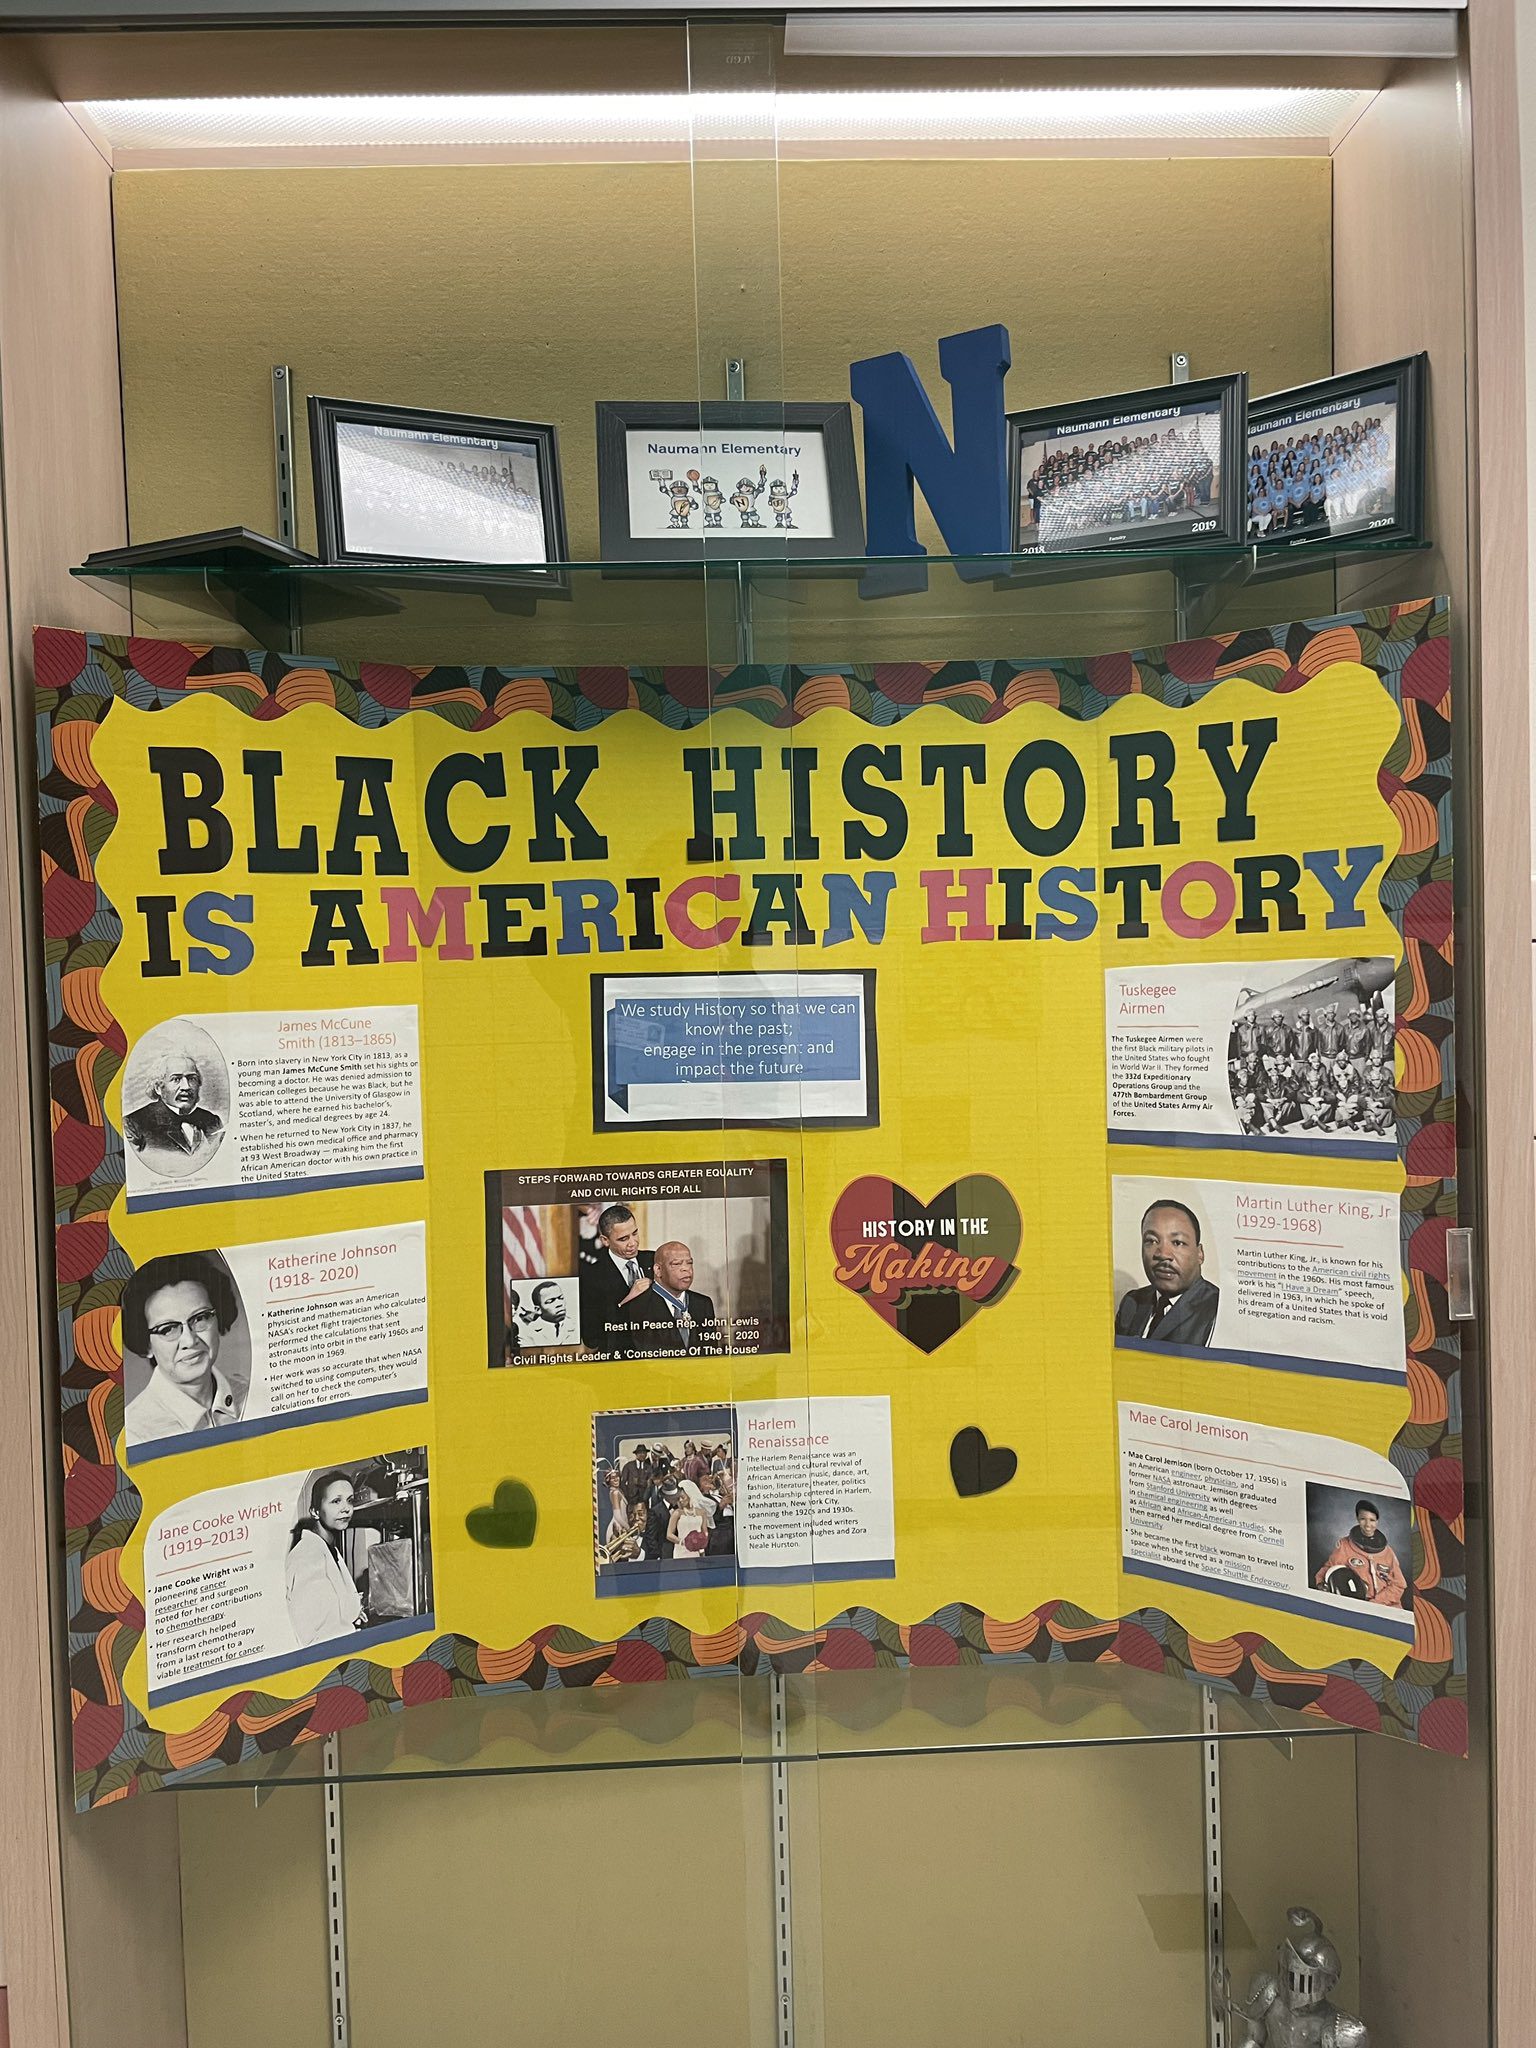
[[779, 497], [678, 492], [746, 495], [1289, 2006], [714, 501]]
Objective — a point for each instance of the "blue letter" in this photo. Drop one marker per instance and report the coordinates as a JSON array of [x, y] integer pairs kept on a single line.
[[848, 905], [1343, 888], [1063, 889], [587, 903], [966, 485], [237, 949]]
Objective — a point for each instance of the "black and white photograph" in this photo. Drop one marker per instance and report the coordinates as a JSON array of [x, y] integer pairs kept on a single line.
[[359, 1552], [646, 1262], [1178, 1296], [1312, 1055], [186, 1348], [664, 1491], [543, 1314], [397, 484], [1146, 468], [1359, 1545], [176, 1099], [731, 478], [1339, 458], [254, 1338]]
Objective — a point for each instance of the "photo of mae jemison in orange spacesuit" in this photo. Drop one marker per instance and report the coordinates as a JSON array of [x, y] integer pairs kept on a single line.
[[1363, 1564]]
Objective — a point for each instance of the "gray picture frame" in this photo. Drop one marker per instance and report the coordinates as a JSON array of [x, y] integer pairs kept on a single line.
[[617, 418]]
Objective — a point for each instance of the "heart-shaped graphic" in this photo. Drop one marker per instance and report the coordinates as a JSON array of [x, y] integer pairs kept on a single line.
[[977, 1466], [926, 1268], [510, 1521]]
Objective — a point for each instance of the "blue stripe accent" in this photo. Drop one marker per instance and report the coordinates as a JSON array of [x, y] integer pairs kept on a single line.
[[615, 1581], [181, 1198], [1373, 1620], [1271, 1361], [723, 1572], [1214, 1141], [263, 1425], [815, 1574], [352, 1644]]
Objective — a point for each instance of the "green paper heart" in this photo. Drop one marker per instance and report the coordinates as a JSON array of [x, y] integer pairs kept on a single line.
[[509, 1523]]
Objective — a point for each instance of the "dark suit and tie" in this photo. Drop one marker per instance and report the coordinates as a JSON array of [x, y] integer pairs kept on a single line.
[[660, 1324], [1178, 1305], [605, 1279], [1154, 1318], [170, 1143]]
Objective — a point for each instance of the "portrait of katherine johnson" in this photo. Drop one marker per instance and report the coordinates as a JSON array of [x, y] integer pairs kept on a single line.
[[176, 1313], [173, 1131]]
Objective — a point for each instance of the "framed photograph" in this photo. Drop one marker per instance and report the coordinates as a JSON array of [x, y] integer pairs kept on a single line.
[[395, 484], [736, 478], [1344, 456], [1144, 469]]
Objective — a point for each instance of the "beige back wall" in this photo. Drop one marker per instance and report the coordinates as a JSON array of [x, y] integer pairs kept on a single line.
[[531, 291]]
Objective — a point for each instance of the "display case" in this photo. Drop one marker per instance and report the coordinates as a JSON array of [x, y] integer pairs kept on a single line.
[[864, 1617]]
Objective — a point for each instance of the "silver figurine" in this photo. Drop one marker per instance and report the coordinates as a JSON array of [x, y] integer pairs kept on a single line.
[[1289, 2006]]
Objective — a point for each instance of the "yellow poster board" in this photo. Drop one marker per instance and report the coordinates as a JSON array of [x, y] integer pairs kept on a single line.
[[843, 1180]]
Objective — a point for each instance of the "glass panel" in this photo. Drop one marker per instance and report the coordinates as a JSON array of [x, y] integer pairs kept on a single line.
[[961, 1892], [557, 1907], [1009, 1844]]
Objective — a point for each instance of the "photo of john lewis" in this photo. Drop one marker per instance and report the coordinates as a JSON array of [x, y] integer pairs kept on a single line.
[[668, 1262], [1178, 1304], [175, 1099], [542, 1315], [1311, 1056], [1359, 1546], [661, 1314], [360, 1551], [186, 1348]]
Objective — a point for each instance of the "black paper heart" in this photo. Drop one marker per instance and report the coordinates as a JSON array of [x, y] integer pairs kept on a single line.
[[977, 1466], [509, 1523]]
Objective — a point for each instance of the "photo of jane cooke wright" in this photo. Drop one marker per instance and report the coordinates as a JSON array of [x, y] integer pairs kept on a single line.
[[174, 1132], [360, 1552], [176, 1312], [1178, 1305]]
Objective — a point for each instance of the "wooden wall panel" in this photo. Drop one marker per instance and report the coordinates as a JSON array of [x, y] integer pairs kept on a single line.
[[1502, 542], [1426, 211], [62, 482]]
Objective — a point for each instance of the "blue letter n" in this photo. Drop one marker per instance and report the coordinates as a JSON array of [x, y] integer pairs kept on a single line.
[[966, 485]]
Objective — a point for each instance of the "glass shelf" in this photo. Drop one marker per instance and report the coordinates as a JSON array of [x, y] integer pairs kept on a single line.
[[726, 1719], [718, 611]]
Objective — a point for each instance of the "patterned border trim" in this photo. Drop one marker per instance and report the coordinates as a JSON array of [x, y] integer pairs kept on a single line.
[[117, 1754]]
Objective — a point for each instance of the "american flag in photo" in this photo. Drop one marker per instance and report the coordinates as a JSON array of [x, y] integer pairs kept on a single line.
[[522, 1247]]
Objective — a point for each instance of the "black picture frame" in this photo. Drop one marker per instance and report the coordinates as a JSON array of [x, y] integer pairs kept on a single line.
[[328, 415], [618, 418], [1221, 525], [866, 1119], [629, 1183], [1397, 515], [223, 548]]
